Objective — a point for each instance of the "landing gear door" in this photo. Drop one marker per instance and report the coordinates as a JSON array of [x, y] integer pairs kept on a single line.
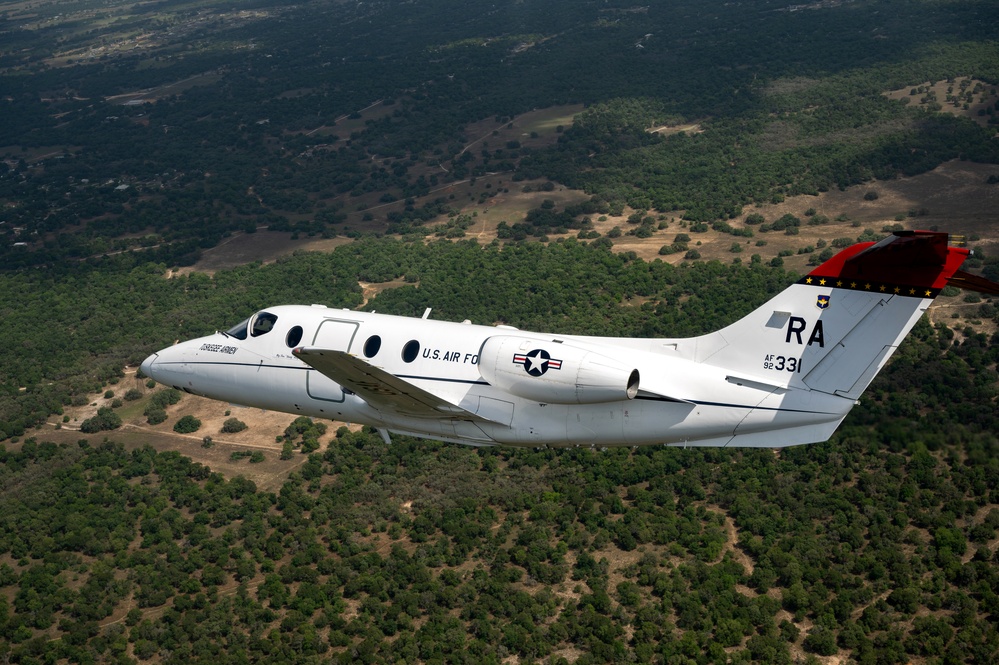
[[336, 335]]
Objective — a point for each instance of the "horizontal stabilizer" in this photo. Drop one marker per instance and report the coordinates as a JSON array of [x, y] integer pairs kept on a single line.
[[965, 280], [919, 260], [380, 389]]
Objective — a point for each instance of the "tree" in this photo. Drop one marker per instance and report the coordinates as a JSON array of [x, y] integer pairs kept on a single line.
[[187, 425], [106, 419], [233, 425], [155, 416]]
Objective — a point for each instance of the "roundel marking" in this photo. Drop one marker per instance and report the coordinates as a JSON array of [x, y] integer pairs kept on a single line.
[[536, 362]]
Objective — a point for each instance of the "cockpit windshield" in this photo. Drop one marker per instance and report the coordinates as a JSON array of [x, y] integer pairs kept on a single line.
[[239, 330], [263, 323]]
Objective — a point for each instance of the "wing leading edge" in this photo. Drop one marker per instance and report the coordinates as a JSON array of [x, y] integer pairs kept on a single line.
[[380, 389]]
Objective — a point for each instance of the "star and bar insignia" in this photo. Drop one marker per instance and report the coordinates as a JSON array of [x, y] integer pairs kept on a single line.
[[536, 362]]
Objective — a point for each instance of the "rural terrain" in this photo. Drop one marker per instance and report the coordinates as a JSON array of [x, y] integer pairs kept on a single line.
[[583, 166]]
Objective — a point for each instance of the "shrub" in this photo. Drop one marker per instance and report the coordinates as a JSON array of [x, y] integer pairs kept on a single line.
[[673, 249], [155, 416], [233, 425], [106, 419], [164, 398], [187, 425], [132, 395]]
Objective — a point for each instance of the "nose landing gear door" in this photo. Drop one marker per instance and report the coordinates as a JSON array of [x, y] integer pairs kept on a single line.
[[336, 335]]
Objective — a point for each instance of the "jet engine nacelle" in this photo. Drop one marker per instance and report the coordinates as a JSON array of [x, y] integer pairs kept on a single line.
[[555, 373]]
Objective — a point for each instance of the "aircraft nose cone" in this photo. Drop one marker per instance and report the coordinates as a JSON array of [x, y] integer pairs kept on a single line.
[[147, 365]]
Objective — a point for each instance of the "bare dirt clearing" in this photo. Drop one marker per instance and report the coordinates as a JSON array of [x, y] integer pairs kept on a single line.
[[954, 197], [264, 428], [961, 96], [263, 246]]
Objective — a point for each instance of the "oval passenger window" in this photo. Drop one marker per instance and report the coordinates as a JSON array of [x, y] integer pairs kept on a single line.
[[372, 345], [294, 337], [410, 351]]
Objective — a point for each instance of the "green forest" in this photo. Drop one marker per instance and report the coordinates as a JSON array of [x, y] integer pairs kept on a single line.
[[878, 545]]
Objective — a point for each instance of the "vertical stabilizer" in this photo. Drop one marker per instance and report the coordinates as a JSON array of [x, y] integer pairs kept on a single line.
[[836, 327]]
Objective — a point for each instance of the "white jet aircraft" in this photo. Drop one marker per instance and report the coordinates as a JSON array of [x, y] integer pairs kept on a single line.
[[786, 374]]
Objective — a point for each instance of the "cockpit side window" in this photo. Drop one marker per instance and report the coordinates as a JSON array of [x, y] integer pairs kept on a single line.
[[263, 323], [239, 330]]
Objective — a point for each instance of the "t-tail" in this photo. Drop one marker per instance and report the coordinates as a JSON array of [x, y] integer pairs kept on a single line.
[[830, 333], [837, 326]]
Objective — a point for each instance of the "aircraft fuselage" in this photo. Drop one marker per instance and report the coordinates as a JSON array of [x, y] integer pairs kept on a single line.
[[787, 373], [689, 403]]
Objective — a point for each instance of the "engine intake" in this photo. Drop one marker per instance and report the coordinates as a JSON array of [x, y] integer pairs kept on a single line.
[[555, 373]]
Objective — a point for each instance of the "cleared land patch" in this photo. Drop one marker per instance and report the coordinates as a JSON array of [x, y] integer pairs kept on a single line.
[[961, 96]]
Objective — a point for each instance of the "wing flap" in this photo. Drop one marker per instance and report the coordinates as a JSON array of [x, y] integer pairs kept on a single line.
[[380, 389]]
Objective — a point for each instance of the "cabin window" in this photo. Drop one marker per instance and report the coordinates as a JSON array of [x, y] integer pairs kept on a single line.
[[263, 323], [294, 337], [410, 351], [239, 330], [372, 345]]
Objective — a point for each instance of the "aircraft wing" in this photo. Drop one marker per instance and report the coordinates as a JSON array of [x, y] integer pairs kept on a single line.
[[380, 389]]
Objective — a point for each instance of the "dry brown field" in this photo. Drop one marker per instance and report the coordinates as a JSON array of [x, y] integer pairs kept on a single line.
[[938, 91]]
